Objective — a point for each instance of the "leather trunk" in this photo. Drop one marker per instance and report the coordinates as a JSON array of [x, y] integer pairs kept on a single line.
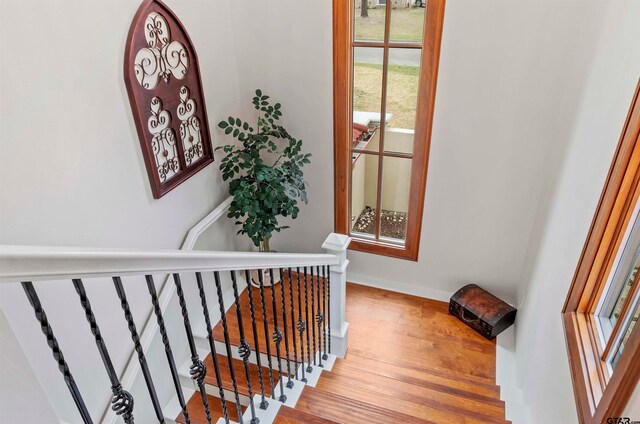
[[482, 311]]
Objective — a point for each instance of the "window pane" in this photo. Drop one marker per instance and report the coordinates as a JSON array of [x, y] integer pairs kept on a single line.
[[630, 325], [364, 188], [367, 97], [624, 291], [403, 77], [396, 178], [368, 21], [407, 23]]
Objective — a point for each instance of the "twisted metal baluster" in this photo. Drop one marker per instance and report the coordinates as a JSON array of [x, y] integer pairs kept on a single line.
[[313, 305], [306, 318], [301, 326], [284, 324], [266, 332], [329, 304], [227, 343], [293, 328], [197, 370], [244, 350], [167, 347], [277, 335], [212, 346], [122, 401], [128, 316], [46, 329], [319, 318], [263, 403], [324, 310]]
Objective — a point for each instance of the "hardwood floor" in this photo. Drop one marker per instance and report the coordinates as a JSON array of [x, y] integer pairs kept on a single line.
[[408, 361]]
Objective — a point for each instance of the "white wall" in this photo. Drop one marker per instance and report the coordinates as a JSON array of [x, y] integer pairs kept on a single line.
[[71, 173], [566, 210]]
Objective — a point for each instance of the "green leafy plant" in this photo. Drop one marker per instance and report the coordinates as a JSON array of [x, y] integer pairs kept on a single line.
[[264, 170]]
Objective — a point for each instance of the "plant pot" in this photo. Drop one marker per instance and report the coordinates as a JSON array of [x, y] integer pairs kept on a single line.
[[266, 277], [254, 274]]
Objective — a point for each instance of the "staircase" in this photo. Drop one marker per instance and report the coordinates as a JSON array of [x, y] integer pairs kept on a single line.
[[265, 354], [377, 381]]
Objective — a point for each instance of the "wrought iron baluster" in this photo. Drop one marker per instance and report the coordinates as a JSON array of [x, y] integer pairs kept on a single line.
[[128, 316], [266, 332], [197, 370], [167, 347], [293, 327], [122, 401], [324, 311], [46, 329], [284, 324], [329, 304], [306, 318], [263, 403], [313, 305], [227, 343], [244, 350], [319, 318], [301, 326], [277, 335], [212, 346]]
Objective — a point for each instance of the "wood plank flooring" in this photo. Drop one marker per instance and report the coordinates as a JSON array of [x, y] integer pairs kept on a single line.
[[408, 361]]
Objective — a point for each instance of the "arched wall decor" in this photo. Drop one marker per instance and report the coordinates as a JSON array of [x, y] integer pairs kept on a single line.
[[162, 76]]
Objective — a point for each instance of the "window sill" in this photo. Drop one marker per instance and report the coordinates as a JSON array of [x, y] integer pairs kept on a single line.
[[382, 248]]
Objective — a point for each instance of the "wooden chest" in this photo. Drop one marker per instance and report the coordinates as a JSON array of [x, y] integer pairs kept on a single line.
[[482, 311]]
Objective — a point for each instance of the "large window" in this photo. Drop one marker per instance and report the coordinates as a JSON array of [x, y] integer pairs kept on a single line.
[[603, 305], [385, 71]]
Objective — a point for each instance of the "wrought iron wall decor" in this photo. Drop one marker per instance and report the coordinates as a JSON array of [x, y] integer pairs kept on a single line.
[[162, 76]]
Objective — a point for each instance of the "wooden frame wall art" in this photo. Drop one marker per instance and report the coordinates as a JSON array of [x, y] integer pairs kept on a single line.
[[162, 76]]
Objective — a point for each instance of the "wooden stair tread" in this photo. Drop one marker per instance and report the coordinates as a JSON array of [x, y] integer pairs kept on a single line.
[[423, 402], [197, 414], [288, 415], [240, 374], [488, 393], [232, 320], [342, 409]]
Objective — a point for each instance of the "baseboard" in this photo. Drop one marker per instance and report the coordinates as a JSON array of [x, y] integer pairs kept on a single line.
[[395, 286], [516, 409]]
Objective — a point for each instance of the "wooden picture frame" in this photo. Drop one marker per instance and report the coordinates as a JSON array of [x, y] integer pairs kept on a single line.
[[162, 76]]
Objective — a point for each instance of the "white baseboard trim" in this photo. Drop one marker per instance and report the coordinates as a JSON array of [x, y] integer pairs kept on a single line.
[[380, 283], [516, 409]]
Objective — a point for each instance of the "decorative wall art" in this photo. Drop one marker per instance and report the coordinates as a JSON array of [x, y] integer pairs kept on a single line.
[[162, 76]]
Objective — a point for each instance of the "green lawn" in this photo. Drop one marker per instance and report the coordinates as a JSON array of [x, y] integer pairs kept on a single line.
[[402, 92], [406, 24]]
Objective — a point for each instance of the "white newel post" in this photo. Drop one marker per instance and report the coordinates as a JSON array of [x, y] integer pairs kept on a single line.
[[336, 244]]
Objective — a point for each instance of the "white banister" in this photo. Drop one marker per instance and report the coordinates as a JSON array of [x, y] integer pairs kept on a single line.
[[336, 245], [34, 263]]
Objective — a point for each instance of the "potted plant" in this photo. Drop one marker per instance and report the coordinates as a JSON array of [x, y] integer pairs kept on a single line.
[[264, 170]]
